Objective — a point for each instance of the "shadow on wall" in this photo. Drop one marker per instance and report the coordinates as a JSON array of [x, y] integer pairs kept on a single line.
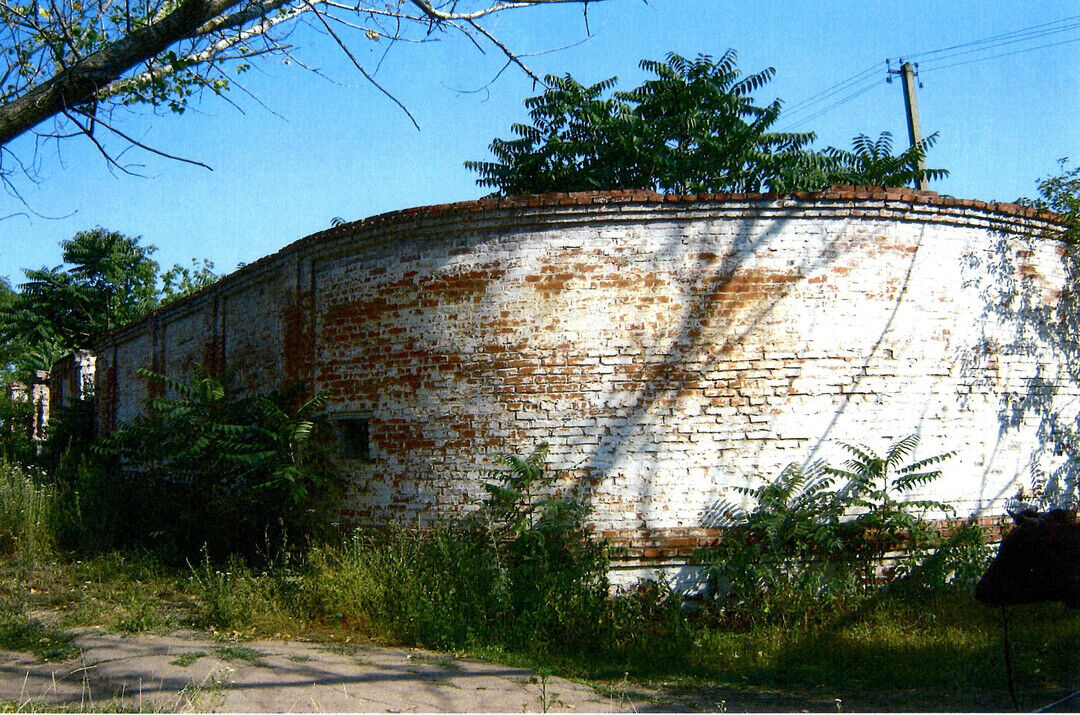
[[723, 292], [712, 294], [1024, 355], [1035, 315]]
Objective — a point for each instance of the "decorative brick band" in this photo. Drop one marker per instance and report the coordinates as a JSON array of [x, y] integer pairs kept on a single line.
[[671, 546]]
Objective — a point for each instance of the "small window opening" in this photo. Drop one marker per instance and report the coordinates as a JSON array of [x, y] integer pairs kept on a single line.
[[354, 437]]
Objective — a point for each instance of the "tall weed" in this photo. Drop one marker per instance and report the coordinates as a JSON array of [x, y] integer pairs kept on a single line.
[[28, 513], [819, 540]]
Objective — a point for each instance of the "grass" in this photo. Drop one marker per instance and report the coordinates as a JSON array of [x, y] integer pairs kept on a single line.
[[188, 659], [896, 648], [439, 661], [239, 652], [19, 632], [126, 592], [937, 649], [28, 513]]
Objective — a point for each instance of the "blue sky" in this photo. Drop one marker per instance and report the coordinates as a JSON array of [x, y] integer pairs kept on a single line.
[[326, 148]]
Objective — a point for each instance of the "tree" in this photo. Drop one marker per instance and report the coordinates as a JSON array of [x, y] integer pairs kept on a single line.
[[110, 280], [76, 60], [695, 127], [872, 163], [179, 281], [10, 349], [1060, 193]]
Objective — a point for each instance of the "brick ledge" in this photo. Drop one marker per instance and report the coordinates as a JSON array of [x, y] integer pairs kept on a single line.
[[674, 545]]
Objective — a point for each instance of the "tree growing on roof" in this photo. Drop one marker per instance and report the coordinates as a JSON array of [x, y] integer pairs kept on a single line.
[[694, 127]]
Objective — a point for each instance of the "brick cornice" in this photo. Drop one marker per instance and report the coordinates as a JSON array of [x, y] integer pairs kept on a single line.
[[858, 201]]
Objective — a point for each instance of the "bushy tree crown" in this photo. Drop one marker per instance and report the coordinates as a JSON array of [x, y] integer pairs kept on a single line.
[[695, 127]]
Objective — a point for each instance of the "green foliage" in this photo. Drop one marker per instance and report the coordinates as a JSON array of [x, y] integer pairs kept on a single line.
[[509, 578], [68, 439], [12, 347], [16, 415], [694, 127], [28, 513], [787, 558], [232, 473], [567, 148], [810, 548], [869, 163], [872, 163], [876, 489], [1060, 193], [109, 280], [522, 570], [552, 578], [179, 282], [703, 131]]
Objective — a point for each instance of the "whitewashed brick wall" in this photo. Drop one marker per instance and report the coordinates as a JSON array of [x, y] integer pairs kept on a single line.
[[667, 350]]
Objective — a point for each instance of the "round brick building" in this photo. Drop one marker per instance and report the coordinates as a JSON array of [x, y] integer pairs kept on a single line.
[[667, 348]]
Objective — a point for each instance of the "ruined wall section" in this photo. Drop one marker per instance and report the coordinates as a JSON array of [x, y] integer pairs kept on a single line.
[[667, 350]]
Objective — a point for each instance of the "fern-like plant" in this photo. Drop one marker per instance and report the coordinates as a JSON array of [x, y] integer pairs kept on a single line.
[[238, 472], [550, 569], [808, 545], [878, 488], [784, 560], [524, 496]]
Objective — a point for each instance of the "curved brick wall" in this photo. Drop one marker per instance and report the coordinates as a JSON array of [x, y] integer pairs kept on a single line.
[[667, 348]]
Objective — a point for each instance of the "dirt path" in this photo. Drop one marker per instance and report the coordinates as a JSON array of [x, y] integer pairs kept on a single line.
[[190, 672]]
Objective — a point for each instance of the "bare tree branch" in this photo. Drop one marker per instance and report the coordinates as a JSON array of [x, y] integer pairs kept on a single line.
[[60, 59], [438, 15], [358, 66]]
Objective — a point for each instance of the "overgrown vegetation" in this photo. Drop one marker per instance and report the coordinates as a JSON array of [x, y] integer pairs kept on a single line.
[[695, 126], [109, 280], [521, 581], [28, 513], [819, 540], [209, 470]]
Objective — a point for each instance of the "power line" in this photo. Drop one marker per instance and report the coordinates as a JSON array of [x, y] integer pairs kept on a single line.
[[836, 104], [991, 46], [933, 59], [992, 38], [829, 91], [1003, 54]]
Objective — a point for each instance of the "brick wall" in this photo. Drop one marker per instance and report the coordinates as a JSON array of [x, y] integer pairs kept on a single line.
[[668, 348]]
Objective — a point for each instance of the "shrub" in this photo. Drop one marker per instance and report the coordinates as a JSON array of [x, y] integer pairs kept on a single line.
[[553, 575], [788, 557], [15, 419], [206, 468], [68, 439], [810, 547]]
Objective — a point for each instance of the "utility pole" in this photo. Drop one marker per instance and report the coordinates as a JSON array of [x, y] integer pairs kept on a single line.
[[911, 101]]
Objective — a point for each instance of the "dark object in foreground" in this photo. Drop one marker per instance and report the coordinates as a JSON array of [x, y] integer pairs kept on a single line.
[[1039, 560]]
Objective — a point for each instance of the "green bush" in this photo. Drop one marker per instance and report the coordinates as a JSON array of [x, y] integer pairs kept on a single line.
[[15, 420], [206, 469], [69, 438], [821, 539]]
